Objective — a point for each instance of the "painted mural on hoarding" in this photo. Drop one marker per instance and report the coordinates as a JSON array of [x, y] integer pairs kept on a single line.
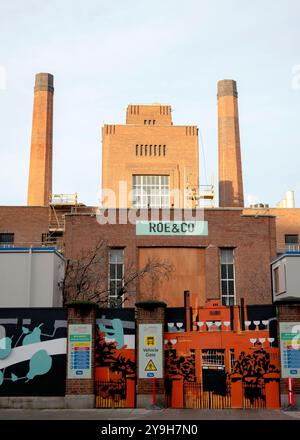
[[229, 358], [115, 367], [32, 351]]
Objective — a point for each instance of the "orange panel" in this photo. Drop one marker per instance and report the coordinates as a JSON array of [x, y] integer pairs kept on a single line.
[[188, 274]]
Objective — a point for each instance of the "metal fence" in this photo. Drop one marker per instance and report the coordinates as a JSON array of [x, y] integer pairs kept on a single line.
[[110, 394], [254, 394], [196, 397]]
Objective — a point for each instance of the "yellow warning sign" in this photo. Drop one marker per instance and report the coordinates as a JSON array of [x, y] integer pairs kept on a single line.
[[150, 341], [150, 366]]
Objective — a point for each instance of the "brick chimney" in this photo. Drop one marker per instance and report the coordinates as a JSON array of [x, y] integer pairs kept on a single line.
[[40, 170], [230, 166]]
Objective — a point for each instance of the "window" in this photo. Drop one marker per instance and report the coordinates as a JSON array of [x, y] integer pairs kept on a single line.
[[7, 240], [151, 191], [116, 277], [291, 243], [276, 279], [213, 357], [227, 277]]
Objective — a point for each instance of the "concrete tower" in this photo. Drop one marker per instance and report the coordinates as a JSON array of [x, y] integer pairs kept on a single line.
[[230, 166], [40, 170]]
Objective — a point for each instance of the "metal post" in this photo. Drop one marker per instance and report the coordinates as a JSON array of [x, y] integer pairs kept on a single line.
[[291, 392], [154, 391]]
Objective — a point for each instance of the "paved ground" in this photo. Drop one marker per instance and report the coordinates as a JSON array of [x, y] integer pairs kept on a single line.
[[143, 414]]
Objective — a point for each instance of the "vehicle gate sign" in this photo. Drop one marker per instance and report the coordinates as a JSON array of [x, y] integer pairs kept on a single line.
[[150, 351]]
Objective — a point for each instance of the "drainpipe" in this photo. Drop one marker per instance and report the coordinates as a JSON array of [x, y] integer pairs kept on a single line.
[[242, 315], [29, 278], [232, 318], [187, 306]]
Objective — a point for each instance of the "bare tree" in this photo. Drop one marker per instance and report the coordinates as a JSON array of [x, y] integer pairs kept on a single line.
[[86, 277]]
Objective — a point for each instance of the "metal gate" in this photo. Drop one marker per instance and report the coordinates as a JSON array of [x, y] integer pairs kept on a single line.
[[195, 396], [254, 394], [112, 394]]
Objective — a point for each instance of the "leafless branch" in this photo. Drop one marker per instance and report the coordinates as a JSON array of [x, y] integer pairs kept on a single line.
[[86, 277]]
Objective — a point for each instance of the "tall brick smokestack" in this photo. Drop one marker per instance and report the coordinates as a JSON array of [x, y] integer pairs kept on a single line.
[[40, 169], [231, 192]]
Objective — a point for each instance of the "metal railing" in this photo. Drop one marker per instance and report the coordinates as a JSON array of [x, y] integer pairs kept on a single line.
[[110, 394], [288, 247], [195, 396], [31, 244], [254, 394], [64, 199]]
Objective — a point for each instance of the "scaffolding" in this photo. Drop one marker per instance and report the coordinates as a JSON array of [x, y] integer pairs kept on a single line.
[[202, 196], [59, 206]]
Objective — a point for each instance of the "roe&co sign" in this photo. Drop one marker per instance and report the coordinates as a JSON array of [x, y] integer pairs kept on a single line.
[[144, 227]]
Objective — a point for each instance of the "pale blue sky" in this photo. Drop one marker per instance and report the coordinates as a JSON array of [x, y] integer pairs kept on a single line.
[[106, 54]]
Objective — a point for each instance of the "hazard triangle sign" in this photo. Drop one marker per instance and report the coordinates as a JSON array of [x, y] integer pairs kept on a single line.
[[150, 366]]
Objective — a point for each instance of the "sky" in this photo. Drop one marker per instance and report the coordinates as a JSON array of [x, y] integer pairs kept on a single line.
[[107, 54]]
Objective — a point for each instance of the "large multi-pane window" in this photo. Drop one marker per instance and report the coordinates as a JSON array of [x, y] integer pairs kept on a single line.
[[227, 277], [151, 191], [7, 240], [116, 277]]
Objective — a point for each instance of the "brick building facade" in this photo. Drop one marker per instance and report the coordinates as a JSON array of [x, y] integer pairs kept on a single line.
[[287, 225], [196, 258], [148, 145], [26, 225], [228, 262]]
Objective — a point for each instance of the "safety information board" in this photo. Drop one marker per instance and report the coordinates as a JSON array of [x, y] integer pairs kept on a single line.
[[290, 349], [150, 351], [79, 351]]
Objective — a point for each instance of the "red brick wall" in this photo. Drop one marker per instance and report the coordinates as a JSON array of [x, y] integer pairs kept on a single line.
[[27, 223], [252, 237], [287, 222], [120, 161]]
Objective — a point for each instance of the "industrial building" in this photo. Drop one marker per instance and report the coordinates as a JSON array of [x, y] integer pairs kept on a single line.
[[154, 209]]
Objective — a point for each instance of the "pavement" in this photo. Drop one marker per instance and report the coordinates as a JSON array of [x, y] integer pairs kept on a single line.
[[144, 414]]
